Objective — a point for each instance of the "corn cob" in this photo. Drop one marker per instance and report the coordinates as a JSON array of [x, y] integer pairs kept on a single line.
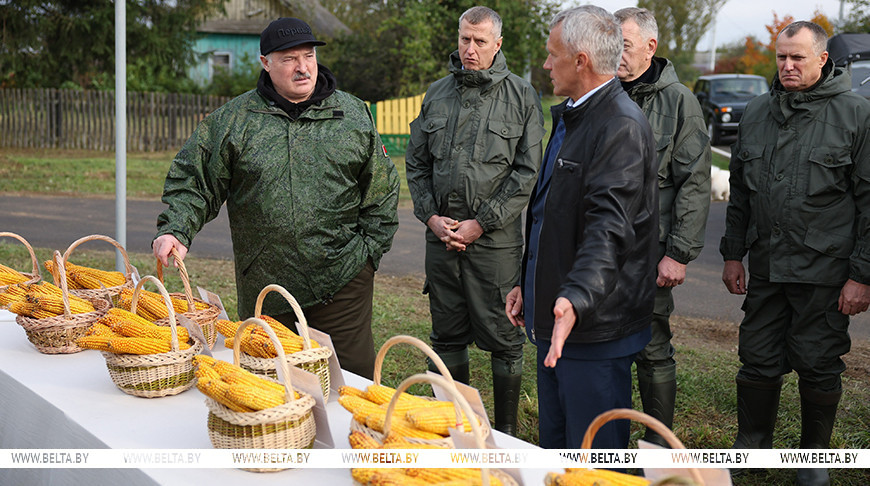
[[30, 309], [70, 282], [362, 475], [99, 329], [219, 391], [204, 360], [46, 288], [254, 398], [382, 394], [204, 371], [357, 405], [92, 278], [359, 440], [590, 477], [138, 345], [394, 441], [97, 342], [131, 325], [394, 477], [5, 269], [226, 328], [351, 391], [436, 419], [233, 374], [468, 476], [6, 298], [18, 290], [399, 426], [12, 277], [53, 303]]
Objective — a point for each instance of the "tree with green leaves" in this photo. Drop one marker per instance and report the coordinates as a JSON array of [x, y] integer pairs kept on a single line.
[[682, 23], [71, 43]]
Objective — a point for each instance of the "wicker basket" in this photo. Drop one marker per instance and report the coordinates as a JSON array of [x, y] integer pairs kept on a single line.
[[314, 360], [107, 292], [650, 422], [57, 335], [34, 273], [448, 379], [477, 430], [204, 317], [287, 426], [154, 375]]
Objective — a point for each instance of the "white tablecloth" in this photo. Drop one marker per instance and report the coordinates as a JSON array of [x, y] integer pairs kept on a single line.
[[69, 401]]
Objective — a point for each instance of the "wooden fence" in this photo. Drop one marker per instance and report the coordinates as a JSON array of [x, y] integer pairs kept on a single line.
[[393, 119], [72, 119]]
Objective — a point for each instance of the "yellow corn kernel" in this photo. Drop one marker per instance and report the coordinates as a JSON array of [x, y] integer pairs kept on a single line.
[[394, 441], [226, 328], [356, 405], [399, 426], [467, 476], [219, 391], [131, 325], [204, 360], [97, 342], [137, 345], [600, 477], [436, 419], [53, 303], [94, 277], [351, 391], [359, 440], [6, 298], [382, 394], [394, 477], [99, 329], [362, 475], [254, 398]]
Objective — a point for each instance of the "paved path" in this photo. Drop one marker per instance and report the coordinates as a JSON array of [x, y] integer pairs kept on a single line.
[[55, 222]]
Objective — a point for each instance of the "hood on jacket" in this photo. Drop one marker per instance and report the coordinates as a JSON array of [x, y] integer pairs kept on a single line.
[[479, 79], [784, 104]]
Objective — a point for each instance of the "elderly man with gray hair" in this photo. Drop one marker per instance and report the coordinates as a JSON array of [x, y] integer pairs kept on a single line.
[[589, 267], [683, 150]]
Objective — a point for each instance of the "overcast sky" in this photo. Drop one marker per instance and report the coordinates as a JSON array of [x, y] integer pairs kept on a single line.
[[740, 18]]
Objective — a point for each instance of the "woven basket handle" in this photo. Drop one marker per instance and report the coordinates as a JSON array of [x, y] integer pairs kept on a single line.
[[301, 324], [29, 248], [651, 422], [185, 278], [60, 278], [166, 299], [417, 343], [281, 359], [459, 402], [128, 269]]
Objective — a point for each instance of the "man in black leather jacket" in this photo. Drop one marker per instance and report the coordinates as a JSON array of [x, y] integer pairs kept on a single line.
[[589, 266]]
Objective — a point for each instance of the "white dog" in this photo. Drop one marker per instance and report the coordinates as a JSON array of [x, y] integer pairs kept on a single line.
[[720, 187]]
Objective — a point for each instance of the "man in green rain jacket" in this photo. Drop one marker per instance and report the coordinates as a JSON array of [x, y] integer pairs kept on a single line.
[[471, 164], [310, 192], [800, 206]]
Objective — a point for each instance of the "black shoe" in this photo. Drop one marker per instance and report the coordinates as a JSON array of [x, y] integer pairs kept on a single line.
[[818, 412], [507, 379]]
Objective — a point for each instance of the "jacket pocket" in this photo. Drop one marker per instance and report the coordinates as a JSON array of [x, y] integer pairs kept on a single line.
[[247, 258], [828, 243], [501, 143], [828, 171], [436, 135], [663, 152], [754, 173]]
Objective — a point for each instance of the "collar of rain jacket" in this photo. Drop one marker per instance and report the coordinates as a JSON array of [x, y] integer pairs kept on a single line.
[[784, 104], [478, 79], [660, 73]]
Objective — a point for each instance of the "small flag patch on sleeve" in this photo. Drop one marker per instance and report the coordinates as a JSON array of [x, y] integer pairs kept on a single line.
[[384, 148]]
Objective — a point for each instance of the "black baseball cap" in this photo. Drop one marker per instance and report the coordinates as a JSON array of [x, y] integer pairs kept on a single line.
[[285, 33]]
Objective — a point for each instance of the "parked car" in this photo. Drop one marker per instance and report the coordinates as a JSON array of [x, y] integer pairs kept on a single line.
[[852, 51], [723, 98]]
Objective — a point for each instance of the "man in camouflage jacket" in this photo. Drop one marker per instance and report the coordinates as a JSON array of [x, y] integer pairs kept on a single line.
[[800, 206], [683, 151], [471, 163], [310, 193]]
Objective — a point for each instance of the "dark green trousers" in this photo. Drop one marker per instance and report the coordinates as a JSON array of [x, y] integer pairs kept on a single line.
[[347, 318], [467, 293], [793, 326]]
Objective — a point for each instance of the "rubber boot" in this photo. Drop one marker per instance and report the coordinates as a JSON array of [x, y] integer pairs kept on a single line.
[[818, 411], [757, 404], [658, 392], [507, 378], [456, 362]]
